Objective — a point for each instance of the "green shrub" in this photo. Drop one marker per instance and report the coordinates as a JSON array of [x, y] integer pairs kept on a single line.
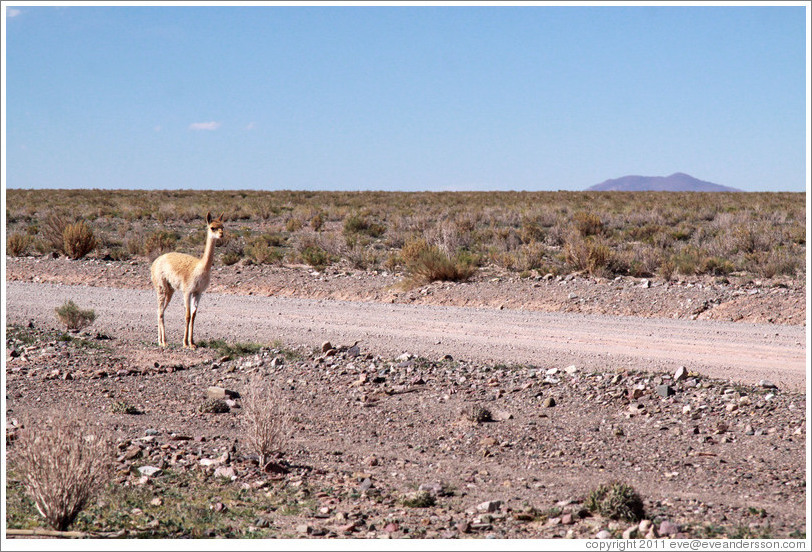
[[73, 317], [616, 501], [419, 499], [123, 407], [214, 406], [315, 256], [359, 224], [78, 240]]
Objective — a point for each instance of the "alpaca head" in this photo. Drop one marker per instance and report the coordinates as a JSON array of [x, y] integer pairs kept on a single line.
[[215, 226]]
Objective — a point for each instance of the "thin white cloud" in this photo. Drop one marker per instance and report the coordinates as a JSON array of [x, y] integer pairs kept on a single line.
[[250, 126], [204, 126], [11, 12]]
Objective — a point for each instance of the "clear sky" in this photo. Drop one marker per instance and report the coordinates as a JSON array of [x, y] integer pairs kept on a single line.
[[403, 98]]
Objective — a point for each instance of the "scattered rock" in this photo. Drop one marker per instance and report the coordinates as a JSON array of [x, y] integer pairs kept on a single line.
[[150, 471], [215, 392], [489, 506], [667, 529], [630, 532], [665, 390], [767, 384], [681, 374], [226, 472], [549, 402]]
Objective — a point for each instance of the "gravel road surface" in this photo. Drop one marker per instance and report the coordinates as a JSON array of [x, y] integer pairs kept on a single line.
[[737, 351]]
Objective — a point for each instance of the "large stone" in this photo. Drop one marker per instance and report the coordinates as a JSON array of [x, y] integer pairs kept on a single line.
[[680, 374]]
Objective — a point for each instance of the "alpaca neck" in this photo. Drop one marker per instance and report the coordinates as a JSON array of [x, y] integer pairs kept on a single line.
[[208, 254]]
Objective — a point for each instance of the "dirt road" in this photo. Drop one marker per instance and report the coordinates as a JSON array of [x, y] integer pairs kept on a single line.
[[737, 351]]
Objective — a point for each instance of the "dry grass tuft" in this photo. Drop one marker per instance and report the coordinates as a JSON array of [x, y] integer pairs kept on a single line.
[[62, 464], [17, 244], [267, 419]]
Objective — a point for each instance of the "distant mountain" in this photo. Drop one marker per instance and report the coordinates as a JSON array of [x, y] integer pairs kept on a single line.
[[677, 182]]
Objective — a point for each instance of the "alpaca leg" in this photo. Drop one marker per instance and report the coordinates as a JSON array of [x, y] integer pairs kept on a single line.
[[195, 302], [164, 296], [187, 335]]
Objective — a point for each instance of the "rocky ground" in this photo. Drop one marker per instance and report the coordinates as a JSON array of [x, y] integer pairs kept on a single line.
[[412, 447], [408, 447]]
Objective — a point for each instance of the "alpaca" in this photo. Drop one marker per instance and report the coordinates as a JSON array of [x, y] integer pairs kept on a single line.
[[178, 271]]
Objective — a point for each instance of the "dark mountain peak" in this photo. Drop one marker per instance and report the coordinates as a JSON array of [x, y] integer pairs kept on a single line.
[[677, 182]]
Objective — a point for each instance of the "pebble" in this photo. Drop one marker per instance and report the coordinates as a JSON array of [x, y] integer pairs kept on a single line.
[[549, 402], [604, 534], [680, 374], [767, 384]]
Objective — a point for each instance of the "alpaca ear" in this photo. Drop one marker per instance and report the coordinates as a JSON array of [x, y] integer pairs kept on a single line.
[[208, 217], [221, 216]]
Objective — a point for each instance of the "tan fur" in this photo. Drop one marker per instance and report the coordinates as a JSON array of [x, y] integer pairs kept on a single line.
[[179, 271]]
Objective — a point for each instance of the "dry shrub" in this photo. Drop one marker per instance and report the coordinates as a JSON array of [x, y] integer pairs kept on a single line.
[[590, 255], [267, 419], [17, 244], [159, 242], [62, 464], [317, 221], [587, 224], [78, 240], [53, 230], [531, 256], [451, 235], [266, 249], [293, 224], [427, 263]]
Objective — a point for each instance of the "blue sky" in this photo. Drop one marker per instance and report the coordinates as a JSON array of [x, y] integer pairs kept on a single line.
[[403, 98]]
